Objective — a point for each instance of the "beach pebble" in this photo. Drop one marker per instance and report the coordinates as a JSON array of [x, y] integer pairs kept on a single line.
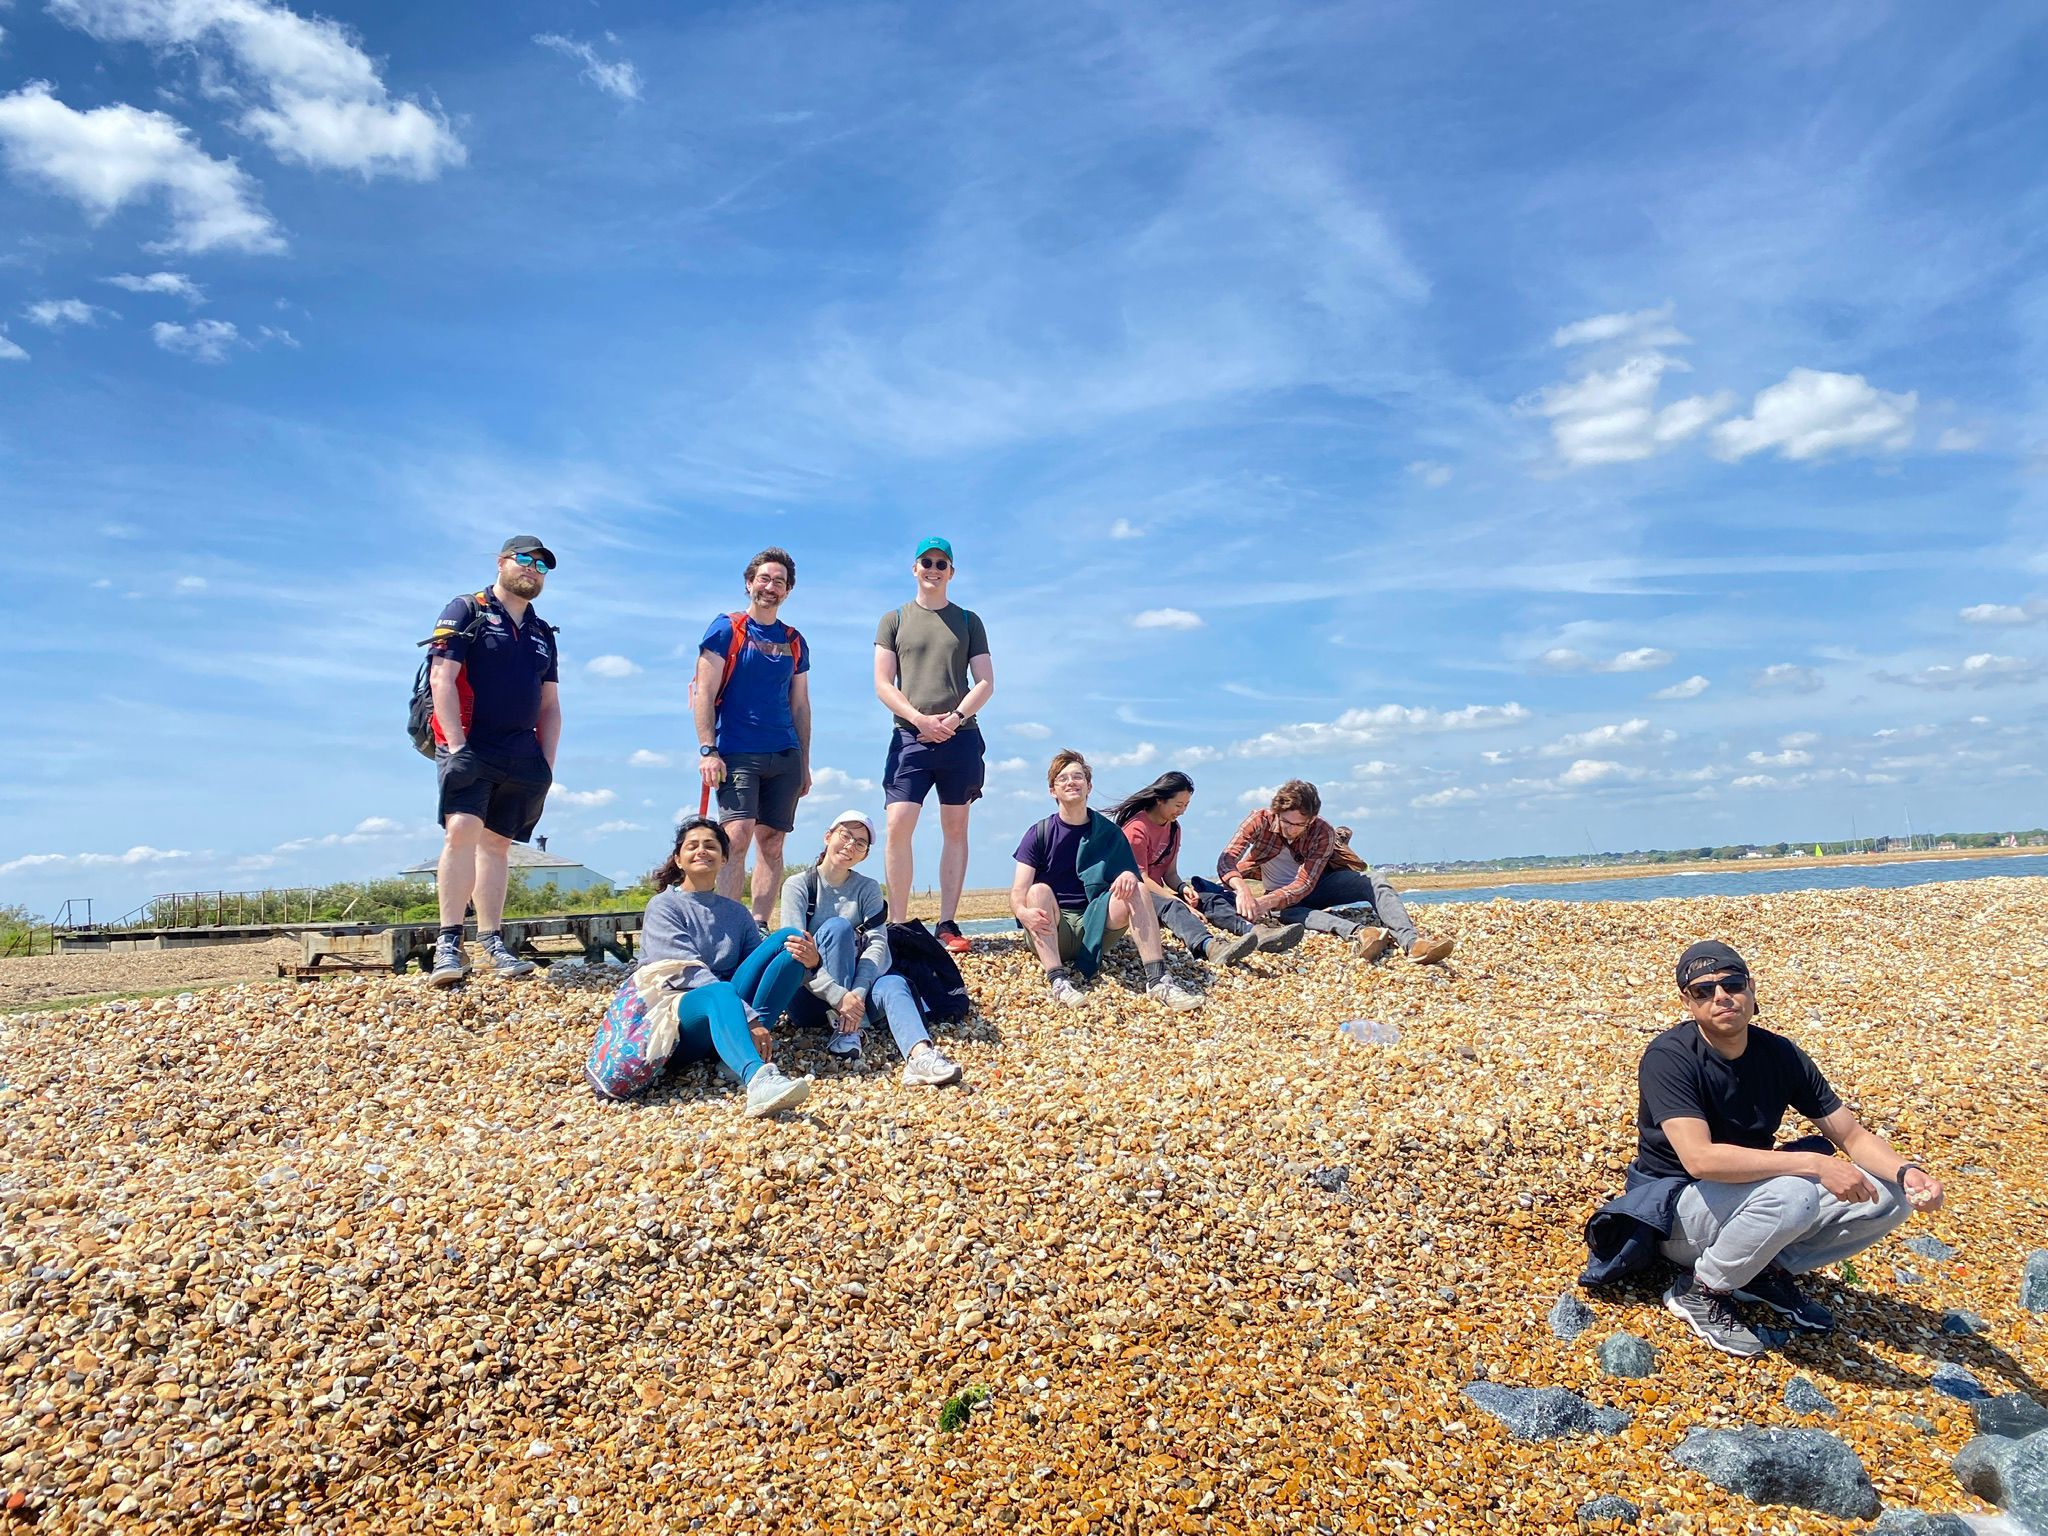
[[1608, 1512], [1626, 1354], [1569, 1317]]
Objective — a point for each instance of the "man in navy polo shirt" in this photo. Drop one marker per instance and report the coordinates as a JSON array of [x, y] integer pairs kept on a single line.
[[497, 721]]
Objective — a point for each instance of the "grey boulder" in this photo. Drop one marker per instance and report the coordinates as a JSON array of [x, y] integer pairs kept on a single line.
[[1930, 1248], [2034, 1281], [2026, 1482], [1980, 1467], [1624, 1354], [1958, 1382], [1545, 1413], [2015, 1416], [1610, 1509], [1806, 1467], [1911, 1522], [1962, 1324], [1570, 1317], [1802, 1396]]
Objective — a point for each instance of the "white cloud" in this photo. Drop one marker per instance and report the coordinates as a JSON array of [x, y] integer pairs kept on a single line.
[[1799, 739], [1031, 730], [1786, 677], [1981, 671], [589, 798], [1691, 688], [838, 784], [1646, 658], [140, 854], [204, 341], [190, 584], [369, 830], [1167, 618], [1588, 770], [378, 826], [1611, 416], [11, 351], [1359, 727], [1791, 757], [175, 284], [1959, 440], [113, 155], [646, 759], [619, 79], [606, 828], [611, 666], [52, 313], [1629, 732], [1812, 414], [1124, 528], [1009, 765], [1143, 753], [278, 334], [1455, 795], [1376, 769], [1643, 328], [324, 103], [1256, 798], [1431, 473], [2005, 613]]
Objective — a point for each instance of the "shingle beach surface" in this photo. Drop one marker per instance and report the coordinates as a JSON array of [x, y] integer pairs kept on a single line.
[[362, 1256]]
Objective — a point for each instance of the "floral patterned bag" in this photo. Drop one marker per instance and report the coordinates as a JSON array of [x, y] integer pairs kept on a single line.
[[637, 1035]]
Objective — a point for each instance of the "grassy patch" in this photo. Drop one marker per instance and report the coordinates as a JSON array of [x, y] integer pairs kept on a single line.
[[959, 1408]]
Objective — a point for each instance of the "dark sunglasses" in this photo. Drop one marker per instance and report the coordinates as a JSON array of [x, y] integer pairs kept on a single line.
[[1703, 992], [535, 561], [931, 564]]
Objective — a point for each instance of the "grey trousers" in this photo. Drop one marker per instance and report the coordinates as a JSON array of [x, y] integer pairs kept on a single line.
[[1180, 917], [1349, 888], [1728, 1233]]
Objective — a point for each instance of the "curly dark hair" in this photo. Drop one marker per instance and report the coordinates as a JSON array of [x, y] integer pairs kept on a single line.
[[669, 874]]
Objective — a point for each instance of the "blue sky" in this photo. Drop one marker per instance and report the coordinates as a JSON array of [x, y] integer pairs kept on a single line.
[[1605, 425]]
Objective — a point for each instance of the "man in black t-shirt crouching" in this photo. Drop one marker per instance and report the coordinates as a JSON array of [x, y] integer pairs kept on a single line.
[[1745, 1215]]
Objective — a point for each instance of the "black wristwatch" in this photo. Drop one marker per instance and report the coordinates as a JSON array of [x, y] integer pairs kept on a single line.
[[707, 751]]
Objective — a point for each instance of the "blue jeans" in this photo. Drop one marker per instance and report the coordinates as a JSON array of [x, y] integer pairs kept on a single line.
[[712, 1020], [890, 999]]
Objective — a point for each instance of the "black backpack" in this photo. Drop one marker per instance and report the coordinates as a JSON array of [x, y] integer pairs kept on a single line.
[[919, 958], [419, 717]]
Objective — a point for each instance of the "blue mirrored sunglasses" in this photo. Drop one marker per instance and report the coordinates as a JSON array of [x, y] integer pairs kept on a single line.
[[535, 561]]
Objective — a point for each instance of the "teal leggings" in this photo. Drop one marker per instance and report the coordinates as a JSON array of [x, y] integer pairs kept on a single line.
[[712, 1020]]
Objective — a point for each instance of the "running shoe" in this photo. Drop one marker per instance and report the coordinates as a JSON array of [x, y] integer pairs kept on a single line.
[[1775, 1288], [928, 1069], [770, 1090], [948, 933], [1066, 994], [1709, 1315], [844, 1045], [1175, 996], [503, 961]]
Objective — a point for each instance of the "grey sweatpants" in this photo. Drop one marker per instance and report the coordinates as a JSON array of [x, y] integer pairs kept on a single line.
[[1727, 1233]]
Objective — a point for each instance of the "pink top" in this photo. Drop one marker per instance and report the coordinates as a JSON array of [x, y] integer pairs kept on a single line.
[[1155, 846]]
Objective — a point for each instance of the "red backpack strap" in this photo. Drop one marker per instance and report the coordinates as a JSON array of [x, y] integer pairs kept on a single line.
[[796, 649], [732, 652]]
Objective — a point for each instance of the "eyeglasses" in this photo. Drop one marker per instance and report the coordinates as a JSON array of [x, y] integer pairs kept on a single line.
[[928, 563], [1081, 779], [1703, 992], [535, 561]]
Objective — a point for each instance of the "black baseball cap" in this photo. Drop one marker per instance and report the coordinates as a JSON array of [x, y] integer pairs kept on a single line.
[[527, 544], [1709, 957]]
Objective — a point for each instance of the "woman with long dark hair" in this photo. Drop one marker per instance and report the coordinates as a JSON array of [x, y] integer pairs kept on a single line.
[[1151, 822], [738, 984]]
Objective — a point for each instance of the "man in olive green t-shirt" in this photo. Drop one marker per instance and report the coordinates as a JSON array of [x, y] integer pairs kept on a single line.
[[932, 672]]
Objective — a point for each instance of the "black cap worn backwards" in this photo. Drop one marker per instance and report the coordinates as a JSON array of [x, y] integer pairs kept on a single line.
[[1709, 957], [527, 544]]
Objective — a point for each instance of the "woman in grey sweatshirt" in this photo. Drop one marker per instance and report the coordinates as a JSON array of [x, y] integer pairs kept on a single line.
[[846, 916]]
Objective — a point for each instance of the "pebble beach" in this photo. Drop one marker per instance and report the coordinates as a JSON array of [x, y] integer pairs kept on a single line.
[[360, 1256]]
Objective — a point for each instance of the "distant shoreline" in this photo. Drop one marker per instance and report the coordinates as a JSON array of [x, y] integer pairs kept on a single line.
[[996, 903]]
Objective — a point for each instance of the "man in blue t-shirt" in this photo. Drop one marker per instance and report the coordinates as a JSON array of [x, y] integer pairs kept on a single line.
[[753, 712]]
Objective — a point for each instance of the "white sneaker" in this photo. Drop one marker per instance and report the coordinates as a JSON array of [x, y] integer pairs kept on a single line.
[[770, 1091], [1170, 992], [843, 1045], [1066, 994], [928, 1069]]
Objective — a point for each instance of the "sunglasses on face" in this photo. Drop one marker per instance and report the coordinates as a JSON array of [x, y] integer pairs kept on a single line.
[[535, 561], [1703, 992], [933, 563]]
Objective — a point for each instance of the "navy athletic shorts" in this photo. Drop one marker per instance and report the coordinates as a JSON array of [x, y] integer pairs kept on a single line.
[[915, 768]]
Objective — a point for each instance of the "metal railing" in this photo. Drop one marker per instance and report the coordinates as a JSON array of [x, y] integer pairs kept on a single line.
[[224, 909]]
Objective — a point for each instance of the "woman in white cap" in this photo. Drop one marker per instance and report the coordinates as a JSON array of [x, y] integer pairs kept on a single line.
[[843, 917]]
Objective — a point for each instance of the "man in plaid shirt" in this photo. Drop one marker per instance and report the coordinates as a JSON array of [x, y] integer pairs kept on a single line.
[[1307, 870]]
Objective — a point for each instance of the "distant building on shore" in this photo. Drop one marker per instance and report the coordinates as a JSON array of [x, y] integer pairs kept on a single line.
[[535, 864]]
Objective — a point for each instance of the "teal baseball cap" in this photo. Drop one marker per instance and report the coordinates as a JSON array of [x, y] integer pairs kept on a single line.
[[934, 542]]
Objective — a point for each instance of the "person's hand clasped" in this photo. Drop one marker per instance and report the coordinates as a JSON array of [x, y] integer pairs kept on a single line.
[[1922, 1189], [805, 950], [1845, 1181], [936, 728], [853, 1012]]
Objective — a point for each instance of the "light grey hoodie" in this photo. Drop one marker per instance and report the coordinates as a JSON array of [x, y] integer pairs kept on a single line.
[[861, 903]]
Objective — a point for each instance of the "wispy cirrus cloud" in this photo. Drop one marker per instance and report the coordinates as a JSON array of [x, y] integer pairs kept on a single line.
[[1646, 658], [1360, 727], [172, 284], [615, 77], [1786, 677], [1983, 670], [1691, 688], [204, 341], [1166, 618]]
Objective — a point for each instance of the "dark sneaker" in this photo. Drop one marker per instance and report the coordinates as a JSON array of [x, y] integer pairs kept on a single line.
[[1276, 938], [948, 933], [1222, 951], [503, 961], [1775, 1288], [449, 965], [1710, 1316]]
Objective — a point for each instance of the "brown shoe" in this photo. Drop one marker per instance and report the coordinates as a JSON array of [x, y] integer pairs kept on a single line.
[[1428, 951], [1275, 937], [1229, 951], [1371, 943]]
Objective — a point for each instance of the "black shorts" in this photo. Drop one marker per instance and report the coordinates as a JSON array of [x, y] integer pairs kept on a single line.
[[915, 768], [505, 793], [762, 787]]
